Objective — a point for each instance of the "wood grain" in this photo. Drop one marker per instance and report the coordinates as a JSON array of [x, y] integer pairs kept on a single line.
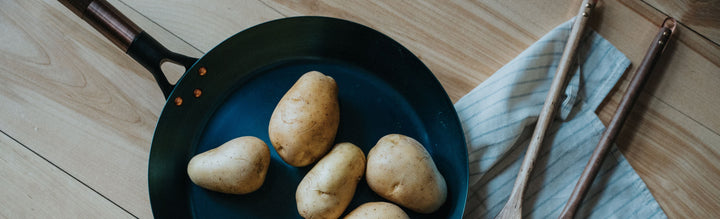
[[69, 95], [693, 66], [204, 24], [34, 188], [678, 167], [77, 101], [699, 15]]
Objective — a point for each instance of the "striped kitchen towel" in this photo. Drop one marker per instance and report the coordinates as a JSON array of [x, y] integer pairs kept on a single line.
[[500, 114]]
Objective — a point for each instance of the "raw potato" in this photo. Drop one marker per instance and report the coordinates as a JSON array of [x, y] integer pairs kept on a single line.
[[401, 170], [377, 210], [330, 185], [238, 166], [304, 123]]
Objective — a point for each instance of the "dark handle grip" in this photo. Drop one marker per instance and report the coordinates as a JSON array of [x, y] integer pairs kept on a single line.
[[623, 110], [130, 38], [106, 19]]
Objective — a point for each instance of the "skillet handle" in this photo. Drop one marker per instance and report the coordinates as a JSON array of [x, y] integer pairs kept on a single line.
[[130, 38]]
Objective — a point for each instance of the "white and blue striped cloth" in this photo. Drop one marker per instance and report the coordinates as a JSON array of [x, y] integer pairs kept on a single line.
[[500, 114]]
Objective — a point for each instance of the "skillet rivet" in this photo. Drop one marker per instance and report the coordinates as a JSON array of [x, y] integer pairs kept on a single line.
[[584, 14], [202, 71], [197, 92], [178, 101]]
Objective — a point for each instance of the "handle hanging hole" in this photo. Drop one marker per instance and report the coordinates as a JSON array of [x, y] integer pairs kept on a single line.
[[173, 71]]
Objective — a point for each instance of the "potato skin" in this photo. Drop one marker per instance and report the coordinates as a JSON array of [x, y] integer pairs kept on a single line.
[[238, 166], [330, 185], [377, 210], [304, 123], [402, 171]]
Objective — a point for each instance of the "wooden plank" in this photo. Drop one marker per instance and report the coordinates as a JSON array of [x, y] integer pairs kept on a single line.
[[676, 157], [204, 24], [701, 16], [692, 63], [34, 188], [68, 94]]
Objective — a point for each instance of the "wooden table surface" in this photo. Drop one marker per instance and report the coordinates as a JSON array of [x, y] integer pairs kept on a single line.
[[77, 115]]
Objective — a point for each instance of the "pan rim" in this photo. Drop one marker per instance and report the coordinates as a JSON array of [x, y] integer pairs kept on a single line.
[[188, 76]]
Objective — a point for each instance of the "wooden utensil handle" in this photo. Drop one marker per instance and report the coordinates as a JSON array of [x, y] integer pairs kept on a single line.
[[106, 19], [608, 137], [513, 207], [552, 100]]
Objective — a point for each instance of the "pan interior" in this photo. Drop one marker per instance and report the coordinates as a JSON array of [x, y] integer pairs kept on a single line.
[[369, 109]]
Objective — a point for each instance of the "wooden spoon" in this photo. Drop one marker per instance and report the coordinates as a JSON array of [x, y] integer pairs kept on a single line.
[[513, 207]]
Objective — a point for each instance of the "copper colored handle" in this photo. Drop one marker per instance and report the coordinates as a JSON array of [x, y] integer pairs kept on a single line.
[[106, 19]]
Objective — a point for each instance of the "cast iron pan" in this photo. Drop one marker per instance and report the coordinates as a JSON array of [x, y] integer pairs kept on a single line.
[[232, 90]]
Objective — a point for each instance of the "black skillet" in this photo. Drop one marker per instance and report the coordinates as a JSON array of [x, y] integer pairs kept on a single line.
[[232, 90]]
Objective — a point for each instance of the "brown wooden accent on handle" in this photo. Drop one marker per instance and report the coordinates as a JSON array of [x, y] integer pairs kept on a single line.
[[608, 137], [106, 19], [76, 6]]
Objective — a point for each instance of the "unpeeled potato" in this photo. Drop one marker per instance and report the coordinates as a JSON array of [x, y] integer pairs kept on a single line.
[[304, 123], [377, 210], [402, 171], [330, 185], [238, 166]]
